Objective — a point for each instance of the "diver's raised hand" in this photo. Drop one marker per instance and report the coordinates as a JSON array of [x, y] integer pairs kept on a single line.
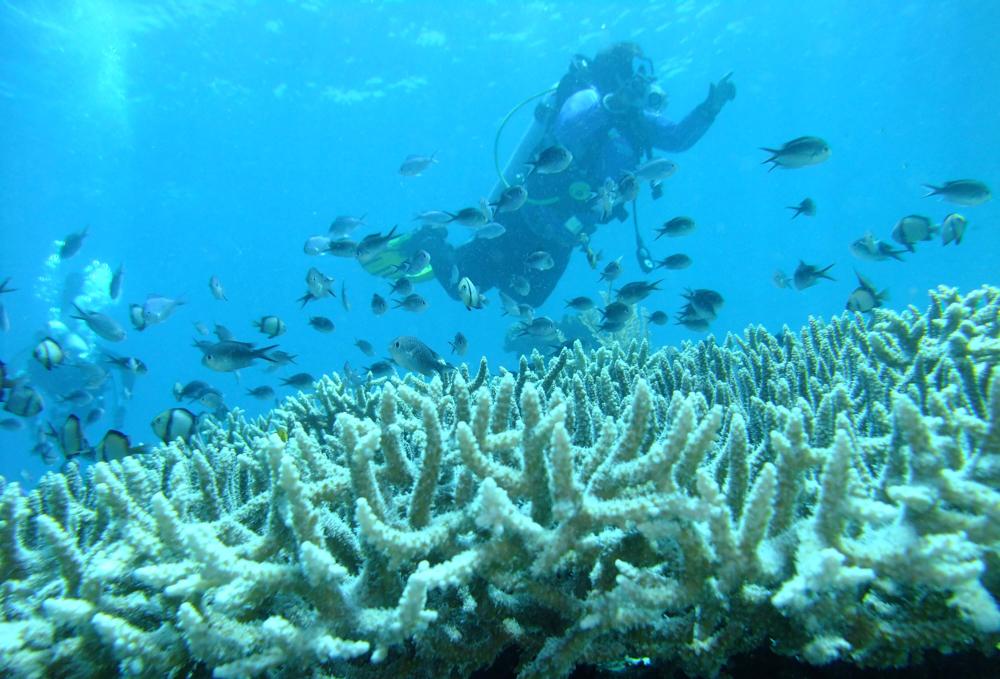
[[721, 92]]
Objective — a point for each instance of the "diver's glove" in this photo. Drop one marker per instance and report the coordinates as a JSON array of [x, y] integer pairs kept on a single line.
[[719, 93]]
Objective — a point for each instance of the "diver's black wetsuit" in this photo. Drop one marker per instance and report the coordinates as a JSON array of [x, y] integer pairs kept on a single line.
[[604, 145]]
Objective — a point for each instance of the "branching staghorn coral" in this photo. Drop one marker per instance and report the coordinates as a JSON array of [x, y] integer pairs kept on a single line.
[[832, 493]]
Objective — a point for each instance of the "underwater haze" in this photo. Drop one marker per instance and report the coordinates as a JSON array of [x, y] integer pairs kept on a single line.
[[199, 139]]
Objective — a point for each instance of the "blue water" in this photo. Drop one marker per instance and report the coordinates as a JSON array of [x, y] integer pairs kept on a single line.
[[201, 138]]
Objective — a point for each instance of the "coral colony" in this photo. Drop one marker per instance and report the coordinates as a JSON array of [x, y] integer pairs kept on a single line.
[[832, 493]]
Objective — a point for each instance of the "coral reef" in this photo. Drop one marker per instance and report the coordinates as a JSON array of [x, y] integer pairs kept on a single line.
[[832, 493]]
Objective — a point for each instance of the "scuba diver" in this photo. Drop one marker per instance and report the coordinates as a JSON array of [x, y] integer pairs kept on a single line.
[[607, 112]]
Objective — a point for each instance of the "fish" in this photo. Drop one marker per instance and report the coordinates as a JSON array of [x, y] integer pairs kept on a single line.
[[807, 275], [343, 248], [543, 326], [628, 187], [520, 285], [704, 303], [871, 249], [114, 445], [379, 305], [551, 160], [191, 391], [223, 333], [807, 207], [78, 397], [655, 171], [912, 229], [279, 359], [213, 400], [365, 347], [262, 393], [229, 356], [321, 323], [675, 262], [611, 326], [299, 381], [616, 312], [414, 165], [101, 324], [201, 328], [636, 291], [490, 231], [49, 353], [157, 309], [692, 323], [678, 226], [344, 302], [4, 319], [414, 264], [24, 401], [459, 345], [780, 279], [11, 424], [316, 245], [272, 326], [658, 318], [967, 192], [540, 260], [433, 217], [412, 302], [136, 317], [4, 288], [469, 294], [175, 423], [72, 244], [864, 298], [318, 286], [580, 303], [215, 287], [94, 416], [344, 225], [71, 438], [380, 369], [800, 152], [612, 270], [373, 245], [510, 199], [411, 354], [953, 229], [473, 217], [401, 286], [592, 257], [115, 289]]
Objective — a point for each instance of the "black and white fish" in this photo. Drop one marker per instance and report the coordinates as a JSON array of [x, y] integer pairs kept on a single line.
[[410, 353], [175, 423]]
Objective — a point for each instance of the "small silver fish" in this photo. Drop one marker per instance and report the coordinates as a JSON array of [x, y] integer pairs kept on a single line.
[[365, 347], [101, 324], [379, 305], [344, 225], [474, 217], [612, 271], [520, 285], [115, 289], [966, 192], [800, 152], [433, 217], [510, 199], [414, 165], [780, 279], [678, 226], [636, 291], [373, 245], [157, 309], [807, 275], [459, 345], [412, 302], [343, 248], [551, 160], [675, 262], [871, 249], [807, 207], [230, 356], [655, 170], [410, 353], [490, 231], [540, 260], [580, 303], [299, 381], [72, 244], [262, 393], [953, 229], [321, 323], [317, 245]]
